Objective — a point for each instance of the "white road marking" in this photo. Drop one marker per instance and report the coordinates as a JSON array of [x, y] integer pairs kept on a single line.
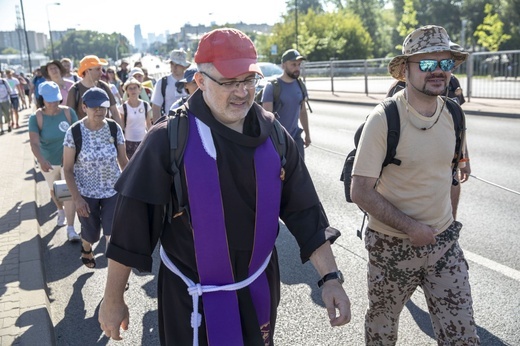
[[486, 262]]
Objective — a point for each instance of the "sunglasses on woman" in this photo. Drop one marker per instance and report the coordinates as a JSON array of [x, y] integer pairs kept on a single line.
[[429, 65]]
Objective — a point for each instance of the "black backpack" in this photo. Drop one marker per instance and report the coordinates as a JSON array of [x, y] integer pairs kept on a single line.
[[392, 139], [164, 83], [277, 90], [178, 135], [78, 140]]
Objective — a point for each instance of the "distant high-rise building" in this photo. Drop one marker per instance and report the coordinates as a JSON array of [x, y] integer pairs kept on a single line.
[[138, 37]]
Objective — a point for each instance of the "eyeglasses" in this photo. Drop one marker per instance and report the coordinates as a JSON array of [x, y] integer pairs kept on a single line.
[[110, 71], [428, 65], [249, 83]]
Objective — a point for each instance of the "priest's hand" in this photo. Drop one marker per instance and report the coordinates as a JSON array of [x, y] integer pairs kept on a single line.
[[336, 301], [112, 317]]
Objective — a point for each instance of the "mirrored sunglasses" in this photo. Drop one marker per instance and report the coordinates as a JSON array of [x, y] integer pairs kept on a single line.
[[429, 65]]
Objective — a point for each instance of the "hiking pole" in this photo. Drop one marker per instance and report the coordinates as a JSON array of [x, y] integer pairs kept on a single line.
[[490, 183]]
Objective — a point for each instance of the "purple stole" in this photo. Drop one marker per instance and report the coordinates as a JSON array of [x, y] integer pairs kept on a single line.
[[214, 266]]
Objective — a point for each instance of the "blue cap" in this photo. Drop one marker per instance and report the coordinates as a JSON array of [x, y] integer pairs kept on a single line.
[[50, 91], [96, 97], [189, 73]]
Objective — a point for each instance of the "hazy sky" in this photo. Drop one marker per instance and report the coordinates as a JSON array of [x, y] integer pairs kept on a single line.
[[155, 16]]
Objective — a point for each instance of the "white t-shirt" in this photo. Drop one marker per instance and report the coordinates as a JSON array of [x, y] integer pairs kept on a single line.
[[135, 129], [171, 93], [13, 82]]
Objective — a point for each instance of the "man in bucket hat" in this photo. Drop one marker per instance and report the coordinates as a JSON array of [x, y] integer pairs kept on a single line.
[[236, 188], [412, 237], [165, 92]]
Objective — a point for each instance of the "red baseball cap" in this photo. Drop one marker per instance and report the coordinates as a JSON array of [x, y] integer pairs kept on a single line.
[[230, 51]]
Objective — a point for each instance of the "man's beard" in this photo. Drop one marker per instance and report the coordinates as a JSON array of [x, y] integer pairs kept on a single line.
[[293, 75], [433, 93]]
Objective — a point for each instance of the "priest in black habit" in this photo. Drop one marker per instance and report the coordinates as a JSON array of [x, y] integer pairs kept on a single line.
[[219, 281]]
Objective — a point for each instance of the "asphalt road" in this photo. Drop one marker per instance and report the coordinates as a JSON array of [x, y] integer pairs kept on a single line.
[[490, 240]]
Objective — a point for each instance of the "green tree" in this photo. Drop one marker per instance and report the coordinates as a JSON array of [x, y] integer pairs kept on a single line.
[[10, 50], [408, 21], [303, 6], [490, 33], [511, 18], [77, 44], [339, 35], [370, 12]]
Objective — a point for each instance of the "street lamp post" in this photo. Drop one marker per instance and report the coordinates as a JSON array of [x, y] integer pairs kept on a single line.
[[49, 23]]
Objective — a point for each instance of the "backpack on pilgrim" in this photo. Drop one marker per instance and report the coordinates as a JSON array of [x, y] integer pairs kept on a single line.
[[277, 90], [392, 140]]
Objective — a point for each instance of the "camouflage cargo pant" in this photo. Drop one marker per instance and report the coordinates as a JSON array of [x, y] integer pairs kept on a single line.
[[396, 269]]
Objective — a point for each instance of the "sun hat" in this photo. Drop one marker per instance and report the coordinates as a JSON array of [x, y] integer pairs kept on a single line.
[[90, 61], [426, 39], [50, 91], [230, 50], [189, 73], [96, 97], [292, 54], [134, 71], [131, 80], [45, 72], [178, 56]]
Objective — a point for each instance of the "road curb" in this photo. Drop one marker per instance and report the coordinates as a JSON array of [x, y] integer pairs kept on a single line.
[[35, 309]]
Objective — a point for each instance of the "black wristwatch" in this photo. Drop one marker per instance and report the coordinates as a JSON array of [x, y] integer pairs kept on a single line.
[[331, 276]]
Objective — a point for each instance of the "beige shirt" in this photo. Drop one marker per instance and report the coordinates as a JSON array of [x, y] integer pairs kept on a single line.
[[420, 187]]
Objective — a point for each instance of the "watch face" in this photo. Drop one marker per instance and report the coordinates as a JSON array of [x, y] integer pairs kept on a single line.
[[340, 277]]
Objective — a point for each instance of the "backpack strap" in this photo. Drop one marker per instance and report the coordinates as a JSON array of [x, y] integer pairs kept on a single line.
[[164, 83], [76, 136], [125, 113], [277, 91], [145, 104], [76, 94], [112, 125], [177, 127], [394, 130], [39, 119], [305, 93], [459, 124], [66, 110]]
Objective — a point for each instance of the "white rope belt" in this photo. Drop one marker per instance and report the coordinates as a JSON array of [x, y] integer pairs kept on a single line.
[[196, 290]]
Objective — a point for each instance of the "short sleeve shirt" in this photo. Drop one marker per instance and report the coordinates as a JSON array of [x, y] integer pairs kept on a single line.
[[52, 134], [291, 97], [96, 169], [171, 93]]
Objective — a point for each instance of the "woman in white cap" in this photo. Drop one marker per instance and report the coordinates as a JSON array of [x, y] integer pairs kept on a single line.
[[93, 157], [137, 116], [47, 129]]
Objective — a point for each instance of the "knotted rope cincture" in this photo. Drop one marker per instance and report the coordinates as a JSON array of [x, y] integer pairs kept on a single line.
[[196, 290]]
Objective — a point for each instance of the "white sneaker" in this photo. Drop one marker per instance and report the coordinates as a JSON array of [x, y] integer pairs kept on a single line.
[[61, 218], [72, 235]]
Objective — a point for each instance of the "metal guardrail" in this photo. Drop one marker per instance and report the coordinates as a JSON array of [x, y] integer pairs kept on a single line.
[[483, 75]]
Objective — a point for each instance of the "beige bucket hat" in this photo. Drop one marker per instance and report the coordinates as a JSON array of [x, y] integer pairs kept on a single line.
[[427, 39]]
